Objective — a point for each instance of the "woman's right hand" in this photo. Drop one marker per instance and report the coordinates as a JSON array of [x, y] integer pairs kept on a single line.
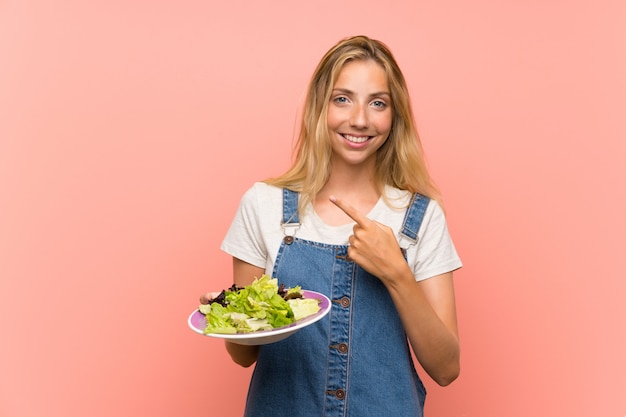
[[208, 296]]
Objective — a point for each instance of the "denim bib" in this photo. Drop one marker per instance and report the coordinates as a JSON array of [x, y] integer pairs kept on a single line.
[[354, 362]]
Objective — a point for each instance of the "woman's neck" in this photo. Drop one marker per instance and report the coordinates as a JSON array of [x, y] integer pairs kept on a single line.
[[355, 185]]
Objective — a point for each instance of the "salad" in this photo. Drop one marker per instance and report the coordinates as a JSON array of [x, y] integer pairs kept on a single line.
[[262, 305]]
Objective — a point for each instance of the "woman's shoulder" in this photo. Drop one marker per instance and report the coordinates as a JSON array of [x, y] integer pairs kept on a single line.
[[402, 199], [398, 201], [262, 198], [397, 197], [262, 189]]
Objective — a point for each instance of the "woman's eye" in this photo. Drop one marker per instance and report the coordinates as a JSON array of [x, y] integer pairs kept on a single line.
[[341, 100], [379, 104]]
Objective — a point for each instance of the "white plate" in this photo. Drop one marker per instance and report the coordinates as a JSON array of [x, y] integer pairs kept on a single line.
[[197, 323]]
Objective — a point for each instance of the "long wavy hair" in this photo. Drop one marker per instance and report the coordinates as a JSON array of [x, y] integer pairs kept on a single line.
[[399, 161]]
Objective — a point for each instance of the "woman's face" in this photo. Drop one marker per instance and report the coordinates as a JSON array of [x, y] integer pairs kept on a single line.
[[359, 113]]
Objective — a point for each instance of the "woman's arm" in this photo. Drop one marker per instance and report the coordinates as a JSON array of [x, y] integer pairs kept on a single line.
[[428, 312], [243, 274]]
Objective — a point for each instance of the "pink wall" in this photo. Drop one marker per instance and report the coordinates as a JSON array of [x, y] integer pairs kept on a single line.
[[129, 130]]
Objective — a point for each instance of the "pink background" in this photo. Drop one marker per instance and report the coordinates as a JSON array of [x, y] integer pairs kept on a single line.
[[129, 130]]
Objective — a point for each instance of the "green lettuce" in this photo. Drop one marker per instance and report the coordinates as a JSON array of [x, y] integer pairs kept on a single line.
[[258, 306], [303, 307]]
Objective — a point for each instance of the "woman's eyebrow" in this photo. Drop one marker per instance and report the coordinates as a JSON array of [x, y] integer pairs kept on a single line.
[[350, 92]]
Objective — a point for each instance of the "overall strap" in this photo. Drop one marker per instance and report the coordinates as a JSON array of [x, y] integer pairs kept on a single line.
[[290, 208], [413, 217], [291, 220]]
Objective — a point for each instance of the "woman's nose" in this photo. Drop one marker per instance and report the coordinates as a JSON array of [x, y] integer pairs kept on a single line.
[[358, 117]]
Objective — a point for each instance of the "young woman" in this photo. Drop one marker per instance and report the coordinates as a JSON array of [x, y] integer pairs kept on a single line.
[[356, 218]]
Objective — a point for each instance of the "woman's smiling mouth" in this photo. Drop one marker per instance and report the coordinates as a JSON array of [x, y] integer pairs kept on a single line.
[[356, 139]]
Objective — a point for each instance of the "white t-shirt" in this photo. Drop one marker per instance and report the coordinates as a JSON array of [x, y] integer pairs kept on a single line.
[[256, 232]]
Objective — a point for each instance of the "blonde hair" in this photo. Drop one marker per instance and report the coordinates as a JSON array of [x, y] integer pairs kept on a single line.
[[399, 162]]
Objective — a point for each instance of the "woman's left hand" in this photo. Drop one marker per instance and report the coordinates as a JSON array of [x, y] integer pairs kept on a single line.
[[373, 245]]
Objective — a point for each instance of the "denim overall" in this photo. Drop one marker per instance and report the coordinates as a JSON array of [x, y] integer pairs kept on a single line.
[[354, 362]]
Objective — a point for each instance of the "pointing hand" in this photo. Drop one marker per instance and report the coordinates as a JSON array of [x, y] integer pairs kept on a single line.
[[373, 245]]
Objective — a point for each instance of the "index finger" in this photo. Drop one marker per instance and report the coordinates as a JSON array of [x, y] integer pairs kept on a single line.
[[353, 213]]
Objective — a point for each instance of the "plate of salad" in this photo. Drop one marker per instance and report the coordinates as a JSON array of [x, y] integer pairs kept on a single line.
[[260, 313]]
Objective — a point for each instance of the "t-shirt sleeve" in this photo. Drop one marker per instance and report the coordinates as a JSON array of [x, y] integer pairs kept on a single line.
[[435, 252], [244, 237]]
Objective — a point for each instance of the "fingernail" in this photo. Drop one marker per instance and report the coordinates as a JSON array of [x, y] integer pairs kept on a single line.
[[332, 198]]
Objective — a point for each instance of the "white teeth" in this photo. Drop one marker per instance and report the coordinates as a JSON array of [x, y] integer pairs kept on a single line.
[[356, 139]]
